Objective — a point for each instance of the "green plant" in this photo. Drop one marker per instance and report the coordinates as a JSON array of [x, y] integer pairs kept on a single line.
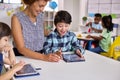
[[84, 18]]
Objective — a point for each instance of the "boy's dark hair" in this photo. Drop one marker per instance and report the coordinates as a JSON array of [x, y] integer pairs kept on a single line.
[[107, 22], [4, 30], [98, 15], [62, 16]]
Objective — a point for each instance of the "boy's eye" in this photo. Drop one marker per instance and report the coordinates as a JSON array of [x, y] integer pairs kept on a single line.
[[6, 40], [66, 25], [40, 6], [60, 25]]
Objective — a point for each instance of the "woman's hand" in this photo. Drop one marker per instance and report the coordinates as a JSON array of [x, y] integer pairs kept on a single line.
[[59, 53], [52, 57]]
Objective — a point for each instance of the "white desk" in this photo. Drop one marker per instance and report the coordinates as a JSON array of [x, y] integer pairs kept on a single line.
[[96, 67]]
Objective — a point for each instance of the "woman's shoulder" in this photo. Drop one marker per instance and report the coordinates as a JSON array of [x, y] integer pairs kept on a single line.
[[19, 14]]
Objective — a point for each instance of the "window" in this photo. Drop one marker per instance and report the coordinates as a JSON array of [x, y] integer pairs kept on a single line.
[[1, 1], [12, 1]]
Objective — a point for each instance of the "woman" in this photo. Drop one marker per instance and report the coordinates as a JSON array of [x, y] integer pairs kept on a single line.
[[28, 31]]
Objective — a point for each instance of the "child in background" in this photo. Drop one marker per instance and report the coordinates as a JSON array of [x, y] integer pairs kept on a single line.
[[105, 38], [6, 48], [61, 39], [95, 26]]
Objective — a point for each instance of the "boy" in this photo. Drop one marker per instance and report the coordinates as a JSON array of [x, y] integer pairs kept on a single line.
[[5, 47], [61, 39], [96, 26]]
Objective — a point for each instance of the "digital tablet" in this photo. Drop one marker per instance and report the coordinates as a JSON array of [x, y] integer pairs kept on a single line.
[[27, 70], [72, 58]]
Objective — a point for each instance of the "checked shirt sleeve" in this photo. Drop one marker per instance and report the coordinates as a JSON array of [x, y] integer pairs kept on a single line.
[[76, 44]]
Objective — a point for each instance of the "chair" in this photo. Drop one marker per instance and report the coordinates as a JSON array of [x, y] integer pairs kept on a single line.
[[115, 31], [112, 53], [116, 55]]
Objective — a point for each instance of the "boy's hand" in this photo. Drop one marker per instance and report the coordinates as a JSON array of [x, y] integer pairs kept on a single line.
[[12, 57], [89, 24], [79, 53], [8, 49], [88, 36], [18, 66]]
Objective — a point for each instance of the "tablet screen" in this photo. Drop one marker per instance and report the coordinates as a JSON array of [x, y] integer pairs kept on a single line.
[[72, 58], [28, 69]]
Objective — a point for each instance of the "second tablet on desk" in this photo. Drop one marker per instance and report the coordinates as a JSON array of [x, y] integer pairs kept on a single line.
[[72, 58]]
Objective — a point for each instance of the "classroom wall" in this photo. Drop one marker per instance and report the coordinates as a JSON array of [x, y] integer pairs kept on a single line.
[[82, 10], [6, 12], [72, 6], [77, 8], [5, 18]]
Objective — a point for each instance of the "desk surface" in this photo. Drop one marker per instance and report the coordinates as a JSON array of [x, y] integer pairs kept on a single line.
[[96, 67], [85, 39], [83, 35]]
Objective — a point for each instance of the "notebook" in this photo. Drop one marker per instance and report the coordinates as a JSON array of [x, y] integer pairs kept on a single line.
[[27, 70], [72, 58]]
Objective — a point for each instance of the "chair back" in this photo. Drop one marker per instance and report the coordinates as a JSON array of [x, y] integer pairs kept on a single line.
[[110, 53]]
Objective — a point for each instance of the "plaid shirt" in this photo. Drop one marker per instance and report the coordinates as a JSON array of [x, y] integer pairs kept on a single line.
[[54, 42]]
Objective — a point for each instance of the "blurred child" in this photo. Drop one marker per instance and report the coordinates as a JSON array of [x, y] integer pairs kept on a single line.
[[61, 39], [5, 47], [95, 26], [105, 38]]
